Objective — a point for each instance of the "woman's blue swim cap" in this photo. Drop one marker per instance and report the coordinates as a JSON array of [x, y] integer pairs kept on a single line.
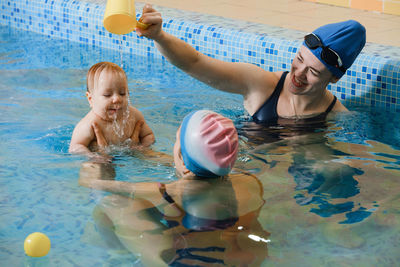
[[346, 38]]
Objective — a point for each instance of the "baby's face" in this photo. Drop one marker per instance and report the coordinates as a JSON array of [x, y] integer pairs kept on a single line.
[[109, 98]]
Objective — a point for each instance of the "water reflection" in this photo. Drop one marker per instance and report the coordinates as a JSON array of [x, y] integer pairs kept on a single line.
[[326, 171], [323, 182], [196, 222]]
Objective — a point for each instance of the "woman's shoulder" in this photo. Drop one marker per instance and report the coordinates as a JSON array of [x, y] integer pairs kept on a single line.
[[242, 177], [261, 91], [271, 78], [278, 74], [339, 107]]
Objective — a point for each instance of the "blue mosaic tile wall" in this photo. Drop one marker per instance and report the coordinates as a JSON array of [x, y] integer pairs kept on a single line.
[[373, 80]]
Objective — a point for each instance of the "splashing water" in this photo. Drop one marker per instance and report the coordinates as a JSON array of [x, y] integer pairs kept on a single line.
[[121, 51], [118, 126]]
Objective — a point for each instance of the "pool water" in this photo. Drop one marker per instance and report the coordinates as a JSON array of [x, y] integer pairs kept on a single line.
[[331, 191]]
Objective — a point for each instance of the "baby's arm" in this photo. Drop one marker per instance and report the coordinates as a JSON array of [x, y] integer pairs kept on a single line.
[[81, 137]]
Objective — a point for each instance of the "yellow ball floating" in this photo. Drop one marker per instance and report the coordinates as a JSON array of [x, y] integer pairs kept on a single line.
[[37, 245]]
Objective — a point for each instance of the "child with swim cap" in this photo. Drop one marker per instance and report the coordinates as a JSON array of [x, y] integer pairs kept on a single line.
[[108, 96], [206, 216], [208, 143]]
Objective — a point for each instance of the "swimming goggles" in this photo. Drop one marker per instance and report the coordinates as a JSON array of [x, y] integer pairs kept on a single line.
[[328, 55]]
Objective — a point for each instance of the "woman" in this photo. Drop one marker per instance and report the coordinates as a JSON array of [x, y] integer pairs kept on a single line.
[[323, 58]]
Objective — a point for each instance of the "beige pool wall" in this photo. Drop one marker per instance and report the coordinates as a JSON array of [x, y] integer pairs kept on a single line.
[[381, 21], [385, 6]]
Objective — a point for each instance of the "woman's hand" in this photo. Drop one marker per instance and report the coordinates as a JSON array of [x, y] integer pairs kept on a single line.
[[153, 18], [91, 171], [101, 141], [136, 131], [102, 145], [135, 138]]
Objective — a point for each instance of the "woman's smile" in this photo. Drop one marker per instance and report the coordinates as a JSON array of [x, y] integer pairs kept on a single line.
[[297, 82]]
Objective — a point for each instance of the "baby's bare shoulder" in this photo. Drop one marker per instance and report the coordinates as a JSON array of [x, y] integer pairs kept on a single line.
[[88, 120], [137, 115], [83, 132]]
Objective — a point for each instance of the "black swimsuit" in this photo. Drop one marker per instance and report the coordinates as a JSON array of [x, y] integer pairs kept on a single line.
[[195, 254], [268, 113], [197, 223]]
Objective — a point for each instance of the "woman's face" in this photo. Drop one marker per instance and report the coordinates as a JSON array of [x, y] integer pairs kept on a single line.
[[308, 75], [180, 168]]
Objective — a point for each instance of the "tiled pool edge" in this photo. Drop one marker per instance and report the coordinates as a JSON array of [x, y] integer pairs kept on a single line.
[[373, 80]]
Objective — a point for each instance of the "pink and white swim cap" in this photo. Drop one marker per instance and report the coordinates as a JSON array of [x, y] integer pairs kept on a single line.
[[209, 143]]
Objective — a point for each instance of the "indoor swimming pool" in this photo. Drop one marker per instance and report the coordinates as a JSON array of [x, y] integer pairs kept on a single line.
[[329, 191]]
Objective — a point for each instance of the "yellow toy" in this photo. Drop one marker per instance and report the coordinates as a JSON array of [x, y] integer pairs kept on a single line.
[[37, 245], [120, 17]]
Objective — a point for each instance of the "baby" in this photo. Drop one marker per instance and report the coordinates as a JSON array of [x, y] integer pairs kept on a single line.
[[108, 96]]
